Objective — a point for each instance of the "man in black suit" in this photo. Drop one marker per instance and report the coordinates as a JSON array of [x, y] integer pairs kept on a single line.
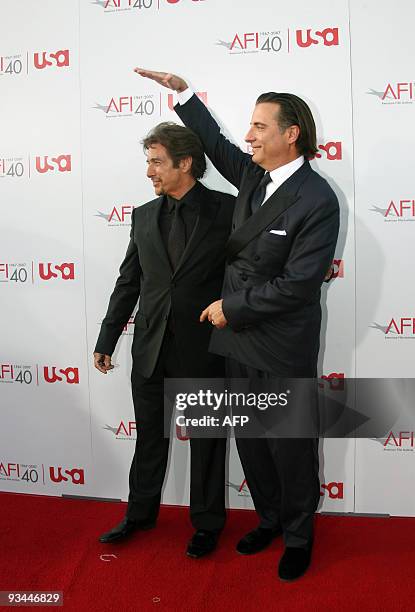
[[174, 264], [285, 229]]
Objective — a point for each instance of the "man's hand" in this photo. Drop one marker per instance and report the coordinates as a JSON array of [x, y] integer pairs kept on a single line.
[[214, 314], [102, 362], [171, 81]]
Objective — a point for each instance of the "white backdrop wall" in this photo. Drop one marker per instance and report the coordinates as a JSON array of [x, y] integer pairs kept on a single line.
[[73, 113]]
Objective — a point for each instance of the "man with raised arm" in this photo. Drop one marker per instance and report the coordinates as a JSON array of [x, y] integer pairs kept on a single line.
[[267, 323]]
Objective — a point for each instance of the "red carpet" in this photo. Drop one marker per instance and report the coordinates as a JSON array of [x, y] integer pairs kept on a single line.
[[51, 543]]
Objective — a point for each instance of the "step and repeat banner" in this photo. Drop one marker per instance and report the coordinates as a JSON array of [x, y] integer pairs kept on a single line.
[[72, 170]]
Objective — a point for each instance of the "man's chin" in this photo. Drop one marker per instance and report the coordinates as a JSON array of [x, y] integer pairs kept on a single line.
[[256, 157]]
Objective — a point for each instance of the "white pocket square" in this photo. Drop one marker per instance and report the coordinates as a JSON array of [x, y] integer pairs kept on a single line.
[[278, 232]]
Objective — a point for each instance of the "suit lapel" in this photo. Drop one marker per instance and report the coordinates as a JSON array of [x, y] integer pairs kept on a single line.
[[284, 197], [153, 231]]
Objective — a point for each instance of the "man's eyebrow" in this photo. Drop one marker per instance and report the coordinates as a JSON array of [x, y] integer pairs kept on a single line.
[[259, 123], [149, 159]]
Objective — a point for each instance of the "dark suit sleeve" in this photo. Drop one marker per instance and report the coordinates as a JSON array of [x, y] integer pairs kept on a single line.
[[300, 281], [123, 299], [227, 158]]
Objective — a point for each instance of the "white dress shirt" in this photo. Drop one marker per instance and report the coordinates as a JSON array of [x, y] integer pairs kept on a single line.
[[278, 176], [281, 174]]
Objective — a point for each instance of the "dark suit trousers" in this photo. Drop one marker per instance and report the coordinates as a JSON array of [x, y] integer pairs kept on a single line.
[[148, 467], [282, 476]]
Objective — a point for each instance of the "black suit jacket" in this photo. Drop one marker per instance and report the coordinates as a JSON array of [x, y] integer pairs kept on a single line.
[[146, 273], [271, 291]]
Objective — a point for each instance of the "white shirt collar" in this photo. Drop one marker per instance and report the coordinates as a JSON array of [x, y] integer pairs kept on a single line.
[[281, 174]]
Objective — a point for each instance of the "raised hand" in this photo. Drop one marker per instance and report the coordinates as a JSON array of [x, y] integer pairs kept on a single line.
[[166, 79]]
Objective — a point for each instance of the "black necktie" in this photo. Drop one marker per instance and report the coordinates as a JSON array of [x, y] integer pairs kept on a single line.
[[259, 193], [177, 237]]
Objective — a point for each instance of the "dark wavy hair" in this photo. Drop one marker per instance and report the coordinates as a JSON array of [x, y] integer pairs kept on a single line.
[[180, 142], [294, 111]]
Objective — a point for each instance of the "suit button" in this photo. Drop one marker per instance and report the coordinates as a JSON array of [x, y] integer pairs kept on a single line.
[[257, 258], [244, 277]]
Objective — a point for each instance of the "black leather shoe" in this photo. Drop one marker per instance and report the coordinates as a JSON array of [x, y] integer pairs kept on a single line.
[[123, 530], [256, 540], [202, 543], [294, 563]]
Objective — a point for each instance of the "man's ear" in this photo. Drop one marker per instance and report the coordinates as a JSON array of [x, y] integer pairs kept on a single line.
[[185, 164], [293, 133]]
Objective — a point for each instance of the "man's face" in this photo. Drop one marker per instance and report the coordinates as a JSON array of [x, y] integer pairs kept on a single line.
[[271, 149], [165, 178]]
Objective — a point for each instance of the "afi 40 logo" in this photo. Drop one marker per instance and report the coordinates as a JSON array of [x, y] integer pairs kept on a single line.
[[402, 326], [400, 439], [11, 64], [395, 93], [127, 4], [13, 272], [119, 216], [19, 471], [252, 42], [128, 106], [16, 373], [399, 91], [397, 211], [127, 429], [401, 208]]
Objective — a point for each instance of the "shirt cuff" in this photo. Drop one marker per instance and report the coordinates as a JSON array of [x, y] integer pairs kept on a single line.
[[184, 96]]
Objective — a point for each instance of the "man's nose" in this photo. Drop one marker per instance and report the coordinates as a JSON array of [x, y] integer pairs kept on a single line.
[[249, 136], [150, 171]]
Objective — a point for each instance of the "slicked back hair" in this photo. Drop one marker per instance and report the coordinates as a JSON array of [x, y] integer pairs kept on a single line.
[[294, 111], [180, 142]]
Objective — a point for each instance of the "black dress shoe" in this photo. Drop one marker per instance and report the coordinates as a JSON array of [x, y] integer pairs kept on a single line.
[[256, 540], [123, 530], [294, 563], [202, 543]]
